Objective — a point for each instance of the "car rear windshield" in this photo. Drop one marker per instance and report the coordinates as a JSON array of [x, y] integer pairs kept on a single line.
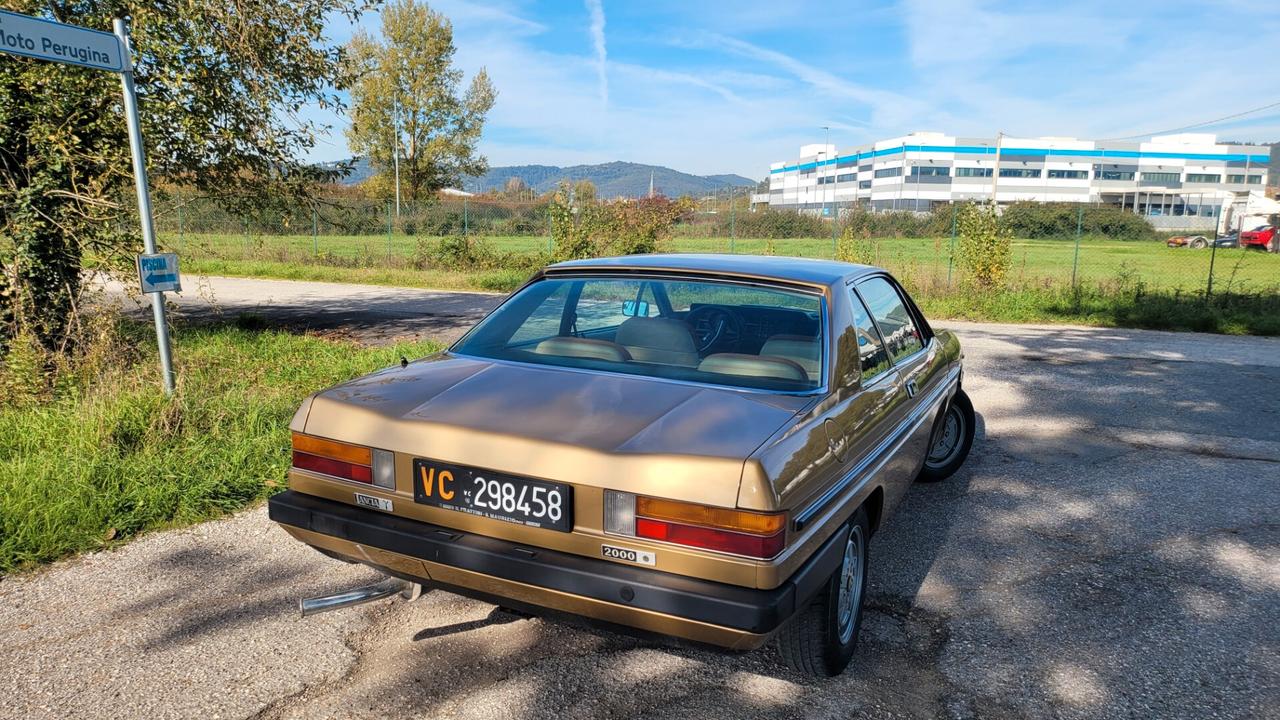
[[704, 331]]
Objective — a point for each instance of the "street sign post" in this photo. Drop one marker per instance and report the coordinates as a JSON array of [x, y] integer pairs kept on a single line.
[[62, 43]]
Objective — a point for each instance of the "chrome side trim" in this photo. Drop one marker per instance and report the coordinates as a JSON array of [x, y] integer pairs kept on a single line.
[[876, 457]]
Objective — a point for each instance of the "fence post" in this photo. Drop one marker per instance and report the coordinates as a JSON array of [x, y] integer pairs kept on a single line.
[[549, 234], [1075, 261], [951, 253], [733, 230], [245, 220], [466, 224], [1213, 251], [315, 232], [181, 233], [835, 222], [390, 222]]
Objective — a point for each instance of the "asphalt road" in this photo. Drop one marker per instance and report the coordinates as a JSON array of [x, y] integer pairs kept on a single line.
[[1111, 549]]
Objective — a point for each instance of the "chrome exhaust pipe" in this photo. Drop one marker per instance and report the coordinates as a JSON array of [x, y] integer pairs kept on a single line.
[[358, 596]]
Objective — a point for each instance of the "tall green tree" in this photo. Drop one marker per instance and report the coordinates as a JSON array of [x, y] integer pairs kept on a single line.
[[221, 88], [406, 94]]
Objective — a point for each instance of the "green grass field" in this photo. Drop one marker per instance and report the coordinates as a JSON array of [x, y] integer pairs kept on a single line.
[[108, 456], [1045, 263], [1118, 284]]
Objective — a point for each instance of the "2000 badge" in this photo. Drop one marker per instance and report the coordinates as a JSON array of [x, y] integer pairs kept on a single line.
[[628, 555]]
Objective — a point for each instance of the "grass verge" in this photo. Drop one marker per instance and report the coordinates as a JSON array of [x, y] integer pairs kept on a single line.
[[1104, 304], [108, 456]]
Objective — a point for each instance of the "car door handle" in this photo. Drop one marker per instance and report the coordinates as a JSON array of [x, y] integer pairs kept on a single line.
[[911, 388]]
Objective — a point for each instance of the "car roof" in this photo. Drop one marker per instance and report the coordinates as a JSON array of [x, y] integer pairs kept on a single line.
[[792, 269]]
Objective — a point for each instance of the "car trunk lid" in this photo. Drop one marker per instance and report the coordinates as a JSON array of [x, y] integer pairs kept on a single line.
[[676, 440]]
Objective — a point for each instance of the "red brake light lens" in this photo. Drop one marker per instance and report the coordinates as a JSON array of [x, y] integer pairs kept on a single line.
[[329, 466], [710, 538]]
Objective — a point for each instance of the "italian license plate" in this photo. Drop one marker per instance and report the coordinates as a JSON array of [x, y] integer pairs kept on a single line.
[[498, 496]]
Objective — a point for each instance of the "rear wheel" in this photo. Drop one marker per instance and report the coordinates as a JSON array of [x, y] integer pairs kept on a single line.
[[1200, 243], [820, 639], [951, 440]]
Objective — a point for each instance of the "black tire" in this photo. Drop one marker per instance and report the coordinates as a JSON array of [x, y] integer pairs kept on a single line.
[[942, 463], [1200, 243], [819, 640]]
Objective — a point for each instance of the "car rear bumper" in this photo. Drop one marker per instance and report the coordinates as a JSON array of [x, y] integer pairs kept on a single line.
[[508, 573]]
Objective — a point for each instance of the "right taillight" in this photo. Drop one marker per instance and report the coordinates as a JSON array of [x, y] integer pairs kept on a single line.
[[740, 532]]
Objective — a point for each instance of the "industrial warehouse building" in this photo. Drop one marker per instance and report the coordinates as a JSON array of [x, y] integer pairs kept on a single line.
[[1178, 181]]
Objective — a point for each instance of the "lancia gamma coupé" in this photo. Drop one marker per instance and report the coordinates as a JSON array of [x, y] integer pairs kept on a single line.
[[695, 446]]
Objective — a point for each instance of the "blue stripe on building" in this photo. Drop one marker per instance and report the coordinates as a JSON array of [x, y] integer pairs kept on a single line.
[[1046, 152]]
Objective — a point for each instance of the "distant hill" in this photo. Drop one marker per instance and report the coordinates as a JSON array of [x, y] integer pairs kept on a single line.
[[611, 179]]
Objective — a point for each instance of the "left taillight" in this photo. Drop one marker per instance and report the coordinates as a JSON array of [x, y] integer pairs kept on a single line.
[[740, 532], [344, 460]]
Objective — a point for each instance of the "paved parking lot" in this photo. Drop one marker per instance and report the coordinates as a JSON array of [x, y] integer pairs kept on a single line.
[[1112, 549]]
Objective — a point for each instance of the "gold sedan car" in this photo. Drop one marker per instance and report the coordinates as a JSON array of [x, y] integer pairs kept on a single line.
[[700, 446]]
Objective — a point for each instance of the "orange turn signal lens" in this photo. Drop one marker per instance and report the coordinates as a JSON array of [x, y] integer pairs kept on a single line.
[[332, 449], [721, 518]]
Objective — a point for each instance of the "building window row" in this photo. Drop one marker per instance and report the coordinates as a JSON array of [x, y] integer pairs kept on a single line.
[[1099, 174], [1115, 175], [929, 171]]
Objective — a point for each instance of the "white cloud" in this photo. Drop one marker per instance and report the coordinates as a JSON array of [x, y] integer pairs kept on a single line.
[[596, 9]]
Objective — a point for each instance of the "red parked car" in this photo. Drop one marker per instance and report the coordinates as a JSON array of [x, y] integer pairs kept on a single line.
[[1259, 238]]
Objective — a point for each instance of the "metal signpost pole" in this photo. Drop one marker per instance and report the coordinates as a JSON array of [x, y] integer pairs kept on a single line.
[[58, 42], [144, 198]]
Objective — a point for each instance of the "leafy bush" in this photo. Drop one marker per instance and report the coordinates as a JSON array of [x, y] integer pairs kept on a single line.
[[900, 223], [464, 254], [855, 247], [983, 252], [772, 224], [1059, 220], [590, 228]]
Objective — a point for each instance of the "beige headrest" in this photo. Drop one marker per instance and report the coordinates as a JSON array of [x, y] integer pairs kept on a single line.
[[752, 366], [582, 348]]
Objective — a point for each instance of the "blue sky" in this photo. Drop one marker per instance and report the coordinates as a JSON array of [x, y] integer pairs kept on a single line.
[[713, 87]]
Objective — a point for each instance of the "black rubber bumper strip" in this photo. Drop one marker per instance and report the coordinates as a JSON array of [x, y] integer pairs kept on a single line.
[[755, 611]]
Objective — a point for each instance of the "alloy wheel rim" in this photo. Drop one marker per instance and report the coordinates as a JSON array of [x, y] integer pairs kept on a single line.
[[947, 443], [850, 596]]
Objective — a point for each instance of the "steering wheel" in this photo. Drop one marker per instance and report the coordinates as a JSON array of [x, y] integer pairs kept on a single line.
[[714, 326]]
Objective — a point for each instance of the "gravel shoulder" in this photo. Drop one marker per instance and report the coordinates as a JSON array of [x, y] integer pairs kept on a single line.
[[1110, 550]]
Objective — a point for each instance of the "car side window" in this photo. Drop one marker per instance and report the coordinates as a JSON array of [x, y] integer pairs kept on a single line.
[[871, 351], [901, 336], [544, 321]]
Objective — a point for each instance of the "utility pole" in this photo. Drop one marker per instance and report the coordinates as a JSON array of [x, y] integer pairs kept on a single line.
[[831, 181], [995, 172], [395, 145]]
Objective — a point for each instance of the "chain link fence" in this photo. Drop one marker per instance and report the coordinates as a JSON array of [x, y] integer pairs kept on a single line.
[[919, 247]]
